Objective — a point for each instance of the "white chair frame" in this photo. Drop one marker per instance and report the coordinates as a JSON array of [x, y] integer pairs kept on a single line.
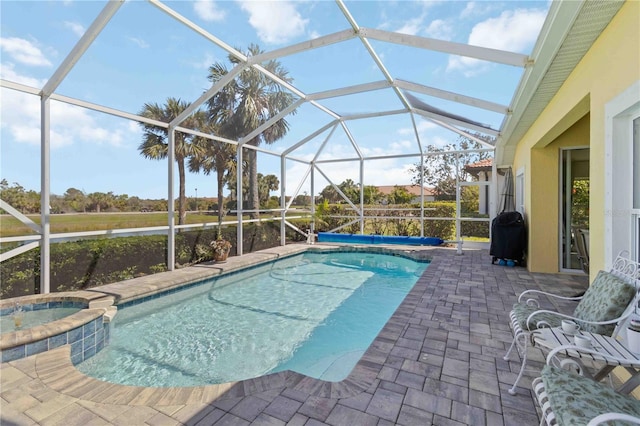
[[622, 267], [548, 416]]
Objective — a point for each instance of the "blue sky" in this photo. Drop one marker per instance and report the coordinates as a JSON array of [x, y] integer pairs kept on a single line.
[[144, 55]]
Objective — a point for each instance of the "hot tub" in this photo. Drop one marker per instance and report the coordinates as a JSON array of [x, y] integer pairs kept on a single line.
[[48, 321]]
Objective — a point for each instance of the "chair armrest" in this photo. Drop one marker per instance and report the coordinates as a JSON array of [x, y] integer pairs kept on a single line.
[[554, 359], [566, 316], [545, 293], [541, 324], [607, 417]]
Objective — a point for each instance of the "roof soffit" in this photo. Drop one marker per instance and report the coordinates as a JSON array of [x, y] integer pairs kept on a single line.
[[586, 21]]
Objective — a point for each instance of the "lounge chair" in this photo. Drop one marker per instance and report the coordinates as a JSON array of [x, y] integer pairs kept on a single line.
[[606, 303], [567, 398]]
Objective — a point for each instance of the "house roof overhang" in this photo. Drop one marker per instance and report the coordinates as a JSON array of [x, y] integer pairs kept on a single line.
[[569, 31]]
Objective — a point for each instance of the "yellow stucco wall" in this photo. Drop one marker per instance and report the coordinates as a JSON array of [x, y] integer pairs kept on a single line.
[[545, 194], [610, 67]]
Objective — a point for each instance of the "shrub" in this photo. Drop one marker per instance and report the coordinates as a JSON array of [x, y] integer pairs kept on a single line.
[[445, 229], [84, 264]]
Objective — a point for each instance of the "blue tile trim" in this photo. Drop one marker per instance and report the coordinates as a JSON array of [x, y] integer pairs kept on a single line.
[[85, 342], [74, 335], [76, 349], [89, 328], [14, 353], [37, 347], [57, 341], [39, 306], [77, 359]]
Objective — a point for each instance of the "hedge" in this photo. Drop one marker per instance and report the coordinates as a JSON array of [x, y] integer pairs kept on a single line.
[[84, 264]]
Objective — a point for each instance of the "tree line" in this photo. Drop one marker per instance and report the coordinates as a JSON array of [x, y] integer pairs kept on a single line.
[[75, 200], [78, 201]]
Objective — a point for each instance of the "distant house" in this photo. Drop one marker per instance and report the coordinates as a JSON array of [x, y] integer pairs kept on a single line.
[[414, 190], [481, 171]]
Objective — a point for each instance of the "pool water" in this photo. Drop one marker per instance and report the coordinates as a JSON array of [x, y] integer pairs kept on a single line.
[[30, 318], [313, 313]]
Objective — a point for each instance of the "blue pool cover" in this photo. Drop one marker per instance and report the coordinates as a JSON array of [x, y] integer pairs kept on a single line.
[[330, 237]]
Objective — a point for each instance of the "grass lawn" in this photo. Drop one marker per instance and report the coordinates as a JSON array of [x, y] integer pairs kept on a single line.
[[79, 222]]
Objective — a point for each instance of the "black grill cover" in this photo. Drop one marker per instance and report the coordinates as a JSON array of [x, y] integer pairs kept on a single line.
[[508, 237]]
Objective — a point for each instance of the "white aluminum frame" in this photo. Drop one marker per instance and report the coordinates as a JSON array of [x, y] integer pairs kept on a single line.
[[336, 121]]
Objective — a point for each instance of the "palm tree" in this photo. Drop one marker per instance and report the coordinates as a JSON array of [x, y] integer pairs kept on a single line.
[[266, 184], [246, 103], [213, 156], [155, 144]]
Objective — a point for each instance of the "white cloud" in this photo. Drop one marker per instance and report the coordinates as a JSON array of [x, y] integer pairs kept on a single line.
[[23, 51], [275, 22], [69, 124], [208, 11], [475, 9], [412, 26], [514, 30], [469, 9], [422, 125], [205, 62], [75, 27], [378, 172], [8, 72], [439, 29], [139, 42]]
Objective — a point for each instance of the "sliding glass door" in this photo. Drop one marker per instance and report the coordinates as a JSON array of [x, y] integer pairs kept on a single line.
[[574, 204]]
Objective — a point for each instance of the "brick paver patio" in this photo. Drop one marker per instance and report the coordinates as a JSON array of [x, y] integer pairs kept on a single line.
[[438, 361]]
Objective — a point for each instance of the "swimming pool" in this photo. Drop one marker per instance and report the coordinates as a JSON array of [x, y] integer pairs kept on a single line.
[[314, 313]]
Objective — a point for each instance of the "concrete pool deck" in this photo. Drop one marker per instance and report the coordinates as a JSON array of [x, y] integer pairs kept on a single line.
[[437, 361]]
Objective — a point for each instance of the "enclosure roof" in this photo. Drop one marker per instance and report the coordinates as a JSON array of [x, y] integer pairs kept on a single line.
[[362, 72]]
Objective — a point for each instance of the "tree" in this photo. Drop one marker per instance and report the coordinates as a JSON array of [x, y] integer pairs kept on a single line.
[[214, 156], [399, 195], [134, 204], [246, 103], [231, 181], [99, 201], [329, 194], [155, 144], [76, 199], [441, 168], [302, 200], [19, 198], [372, 194], [266, 184], [351, 190]]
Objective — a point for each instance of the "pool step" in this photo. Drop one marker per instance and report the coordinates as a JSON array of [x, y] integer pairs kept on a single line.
[[103, 302]]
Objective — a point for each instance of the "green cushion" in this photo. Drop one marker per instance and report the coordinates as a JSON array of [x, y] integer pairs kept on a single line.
[[522, 312], [606, 299], [576, 399]]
